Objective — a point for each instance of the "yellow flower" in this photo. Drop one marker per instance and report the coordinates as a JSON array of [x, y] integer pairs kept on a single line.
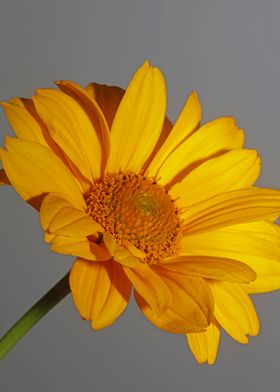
[[168, 210]]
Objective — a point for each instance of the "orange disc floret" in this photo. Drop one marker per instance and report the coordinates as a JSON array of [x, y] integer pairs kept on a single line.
[[135, 208]]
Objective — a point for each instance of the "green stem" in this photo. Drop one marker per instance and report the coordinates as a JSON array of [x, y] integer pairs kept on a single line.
[[34, 314]]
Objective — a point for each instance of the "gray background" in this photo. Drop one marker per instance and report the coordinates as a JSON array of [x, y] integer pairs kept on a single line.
[[230, 52]]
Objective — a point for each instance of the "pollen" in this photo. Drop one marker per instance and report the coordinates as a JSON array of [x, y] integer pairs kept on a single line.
[[135, 208]]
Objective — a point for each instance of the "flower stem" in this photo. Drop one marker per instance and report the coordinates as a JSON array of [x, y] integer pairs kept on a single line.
[[34, 314]]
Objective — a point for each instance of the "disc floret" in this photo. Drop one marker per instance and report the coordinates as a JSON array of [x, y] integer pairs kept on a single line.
[[137, 209]]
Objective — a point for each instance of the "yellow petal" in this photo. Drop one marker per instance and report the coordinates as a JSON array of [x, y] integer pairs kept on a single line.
[[186, 123], [20, 113], [95, 114], [236, 169], [166, 129], [188, 293], [71, 128], [34, 170], [191, 307], [100, 291], [27, 125], [108, 99], [234, 207], [265, 282], [265, 230], [150, 286], [234, 311], [213, 138], [167, 320], [138, 121], [80, 247], [49, 238], [59, 216], [218, 268], [268, 274], [204, 345], [255, 244], [118, 252], [3, 178], [73, 222]]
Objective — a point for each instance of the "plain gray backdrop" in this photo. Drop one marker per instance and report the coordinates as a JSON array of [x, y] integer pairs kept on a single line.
[[227, 50]]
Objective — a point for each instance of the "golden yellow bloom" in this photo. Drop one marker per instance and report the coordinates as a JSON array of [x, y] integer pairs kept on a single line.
[[168, 210]]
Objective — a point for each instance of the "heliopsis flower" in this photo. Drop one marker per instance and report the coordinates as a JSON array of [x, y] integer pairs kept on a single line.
[[170, 211]]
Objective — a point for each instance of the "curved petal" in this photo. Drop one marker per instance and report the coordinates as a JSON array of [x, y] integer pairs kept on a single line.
[[268, 274], [167, 320], [27, 125], [258, 247], [191, 307], [134, 251], [100, 291], [265, 282], [235, 311], [21, 120], [265, 230], [118, 252], [138, 121], [81, 247], [236, 169], [218, 268], [214, 138], [204, 345], [235, 207], [150, 286], [71, 128], [108, 99], [186, 123], [183, 290], [166, 129], [34, 170], [95, 114], [59, 217]]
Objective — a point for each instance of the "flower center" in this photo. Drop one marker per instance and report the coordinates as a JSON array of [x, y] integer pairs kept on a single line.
[[136, 209]]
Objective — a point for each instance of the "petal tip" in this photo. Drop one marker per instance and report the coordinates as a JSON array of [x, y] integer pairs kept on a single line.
[[5, 105], [9, 140]]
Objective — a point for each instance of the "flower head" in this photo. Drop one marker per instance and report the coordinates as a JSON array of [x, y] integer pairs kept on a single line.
[[169, 210]]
